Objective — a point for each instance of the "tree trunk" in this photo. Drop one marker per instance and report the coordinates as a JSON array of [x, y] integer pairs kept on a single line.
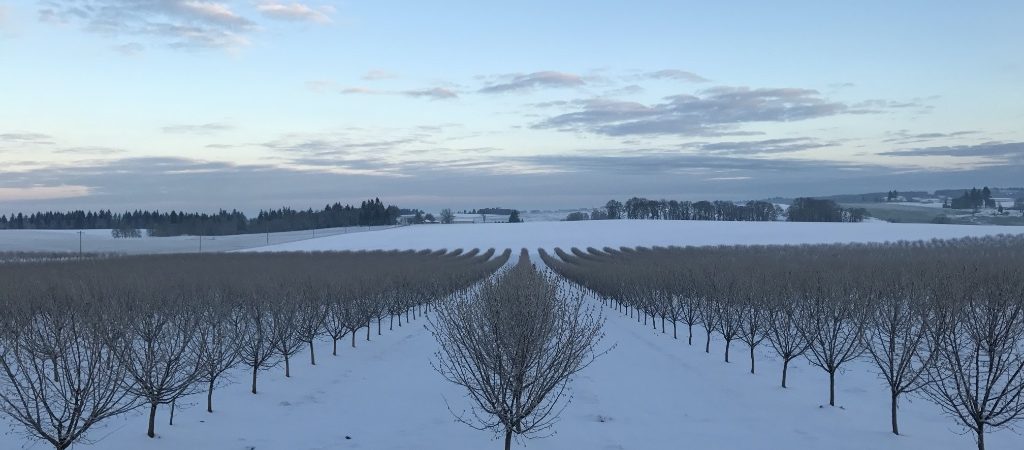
[[152, 420], [751, 360], [171, 421], [369, 328], [378, 326], [689, 340], [335, 351], [707, 344], [353, 339], [895, 425], [209, 397], [981, 436], [727, 343], [508, 440], [832, 388], [785, 367], [255, 368], [287, 366], [392, 325], [312, 356], [674, 335]]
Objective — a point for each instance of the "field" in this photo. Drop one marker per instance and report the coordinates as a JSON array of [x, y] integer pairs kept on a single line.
[[919, 213], [648, 391]]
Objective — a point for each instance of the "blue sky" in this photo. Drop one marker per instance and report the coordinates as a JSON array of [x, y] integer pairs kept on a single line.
[[260, 103]]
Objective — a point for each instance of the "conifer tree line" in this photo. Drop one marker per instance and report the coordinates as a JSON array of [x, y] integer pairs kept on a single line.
[[83, 341], [803, 209], [940, 320], [175, 223]]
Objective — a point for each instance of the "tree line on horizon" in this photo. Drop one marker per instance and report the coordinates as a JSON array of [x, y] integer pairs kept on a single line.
[[804, 209], [175, 223]]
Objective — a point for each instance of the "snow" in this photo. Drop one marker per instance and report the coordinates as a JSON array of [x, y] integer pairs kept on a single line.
[[632, 233], [100, 241], [649, 391]]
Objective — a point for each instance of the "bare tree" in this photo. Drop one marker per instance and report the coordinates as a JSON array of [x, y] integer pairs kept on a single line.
[[312, 313], [900, 335], [514, 347], [978, 376], [783, 331], [59, 378], [257, 344], [222, 329], [833, 324], [284, 324], [157, 343], [338, 317]]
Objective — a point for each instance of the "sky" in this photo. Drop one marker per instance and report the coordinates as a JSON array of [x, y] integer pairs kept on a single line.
[[249, 104]]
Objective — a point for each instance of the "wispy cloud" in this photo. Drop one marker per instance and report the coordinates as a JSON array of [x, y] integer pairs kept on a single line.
[[377, 74], [437, 93], [202, 129], [712, 112], [26, 138], [675, 74], [761, 147], [1007, 152], [295, 12], [525, 82], [906, 137], [176, 23]]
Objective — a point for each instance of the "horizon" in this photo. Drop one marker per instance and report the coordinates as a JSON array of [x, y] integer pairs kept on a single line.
[[248, 105]]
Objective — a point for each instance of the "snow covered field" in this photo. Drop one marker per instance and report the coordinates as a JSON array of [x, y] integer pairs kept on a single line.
[[632, 233], [100, 241], [649, 392]]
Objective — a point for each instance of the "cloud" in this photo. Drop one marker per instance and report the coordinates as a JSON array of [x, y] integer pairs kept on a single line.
[[183, 24], [1006, 152], [202, 129], [545, 79], [26, 138], [295, 12], [437, 93], [712, 112], [906, 137], [362, 90], [674, 74], [8, 194], [90, 150], [767, 146], [129, 49], [377, 74]]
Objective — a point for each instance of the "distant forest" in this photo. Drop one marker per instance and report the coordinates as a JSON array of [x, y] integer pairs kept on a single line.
[[176, 223], [801, 210]]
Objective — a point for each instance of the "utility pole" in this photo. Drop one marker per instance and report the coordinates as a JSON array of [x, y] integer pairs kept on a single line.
[[79, 243], [200, 243]]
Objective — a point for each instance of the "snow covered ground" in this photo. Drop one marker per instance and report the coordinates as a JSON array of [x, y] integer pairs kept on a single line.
[[632, 233], [650, 391], [100, 241]]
